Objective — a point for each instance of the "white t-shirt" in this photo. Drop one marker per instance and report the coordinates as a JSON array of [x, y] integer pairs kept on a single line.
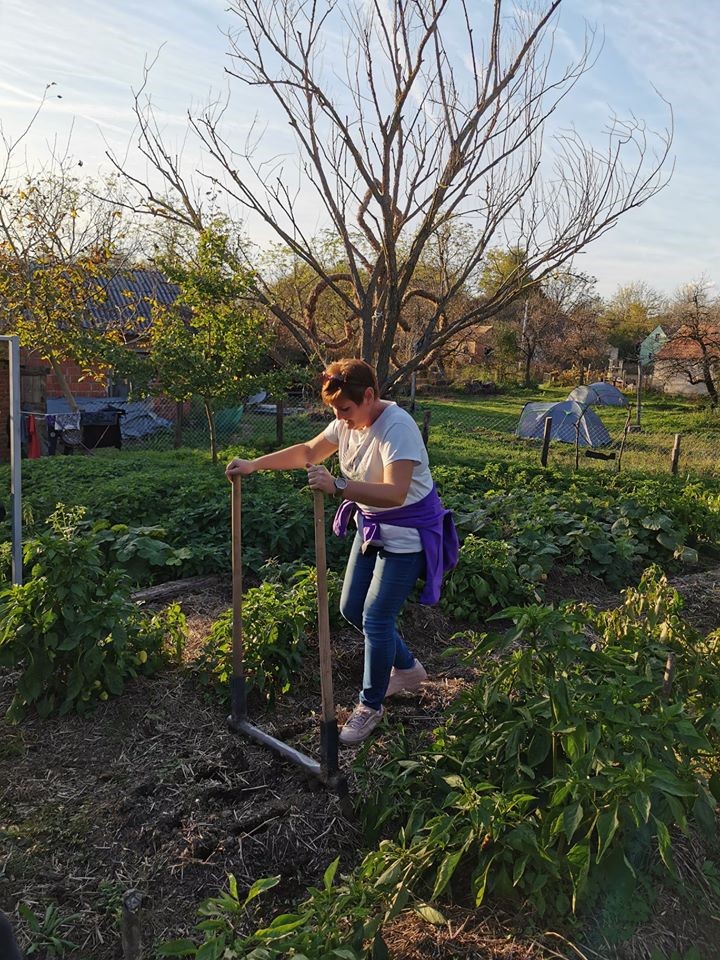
[[364, 454]]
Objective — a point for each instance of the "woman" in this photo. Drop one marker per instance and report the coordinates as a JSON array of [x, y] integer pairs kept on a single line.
[[404, 534]]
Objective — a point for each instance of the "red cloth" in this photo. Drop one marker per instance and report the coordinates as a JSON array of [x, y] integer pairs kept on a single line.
[[33, 450]]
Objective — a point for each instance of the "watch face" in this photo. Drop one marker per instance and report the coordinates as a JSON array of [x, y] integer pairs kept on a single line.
[[340, 483]]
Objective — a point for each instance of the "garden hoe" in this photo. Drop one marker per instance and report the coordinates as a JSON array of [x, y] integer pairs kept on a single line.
[[327, 769]]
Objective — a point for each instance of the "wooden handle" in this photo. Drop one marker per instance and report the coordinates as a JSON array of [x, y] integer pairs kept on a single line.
[[326, 686], [237, 634]]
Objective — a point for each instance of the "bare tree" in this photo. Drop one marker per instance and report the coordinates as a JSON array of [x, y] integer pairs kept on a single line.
[[692, 352], [426, 114], [578, 340]]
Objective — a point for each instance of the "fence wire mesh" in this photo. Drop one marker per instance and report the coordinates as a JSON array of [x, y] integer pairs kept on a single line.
[[466, 428]]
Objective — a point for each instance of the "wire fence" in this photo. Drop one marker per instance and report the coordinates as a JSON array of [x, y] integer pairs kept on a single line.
[[462, 429]]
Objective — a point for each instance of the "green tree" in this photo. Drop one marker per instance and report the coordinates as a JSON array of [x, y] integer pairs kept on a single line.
[[58, 248], [630, 315], [208, 343]]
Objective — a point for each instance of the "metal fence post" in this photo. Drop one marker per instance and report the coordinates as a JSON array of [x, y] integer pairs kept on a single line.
[[15, 457]]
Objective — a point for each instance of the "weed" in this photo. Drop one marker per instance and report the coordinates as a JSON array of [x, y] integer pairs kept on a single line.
[[46, 931]]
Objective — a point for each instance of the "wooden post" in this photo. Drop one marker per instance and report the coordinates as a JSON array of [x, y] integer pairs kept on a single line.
[[130, 931], [626, 428], [638, 397], [328, 728], [675, 456], [279, 420], [238, 690], [577, 441], [326, 686], [547, 429], [426, 427]]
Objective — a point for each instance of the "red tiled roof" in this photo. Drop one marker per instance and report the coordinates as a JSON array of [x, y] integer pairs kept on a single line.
[[685, 345]]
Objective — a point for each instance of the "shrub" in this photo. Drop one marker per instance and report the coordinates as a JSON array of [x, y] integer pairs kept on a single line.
[[71, 629]]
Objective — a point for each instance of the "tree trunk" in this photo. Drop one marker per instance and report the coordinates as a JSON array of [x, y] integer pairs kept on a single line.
[[60, 377], [211, 426], [710, 385], [528, 364]]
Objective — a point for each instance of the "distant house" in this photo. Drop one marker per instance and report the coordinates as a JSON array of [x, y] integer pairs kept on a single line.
[[127, 307], [651, 345], [679, 363], [129, 296]]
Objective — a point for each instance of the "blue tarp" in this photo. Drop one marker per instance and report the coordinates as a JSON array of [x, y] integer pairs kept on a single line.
[[598, 394], [568, 417], [140, 419]]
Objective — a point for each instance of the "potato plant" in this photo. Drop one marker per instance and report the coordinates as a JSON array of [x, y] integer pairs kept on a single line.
[[278, 617], [72, 630]]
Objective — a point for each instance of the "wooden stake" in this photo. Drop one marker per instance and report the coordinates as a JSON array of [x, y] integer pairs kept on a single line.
[[326, 683], [279, 420], [675, 456], [237, 637], [547, 429], [426, 427], [669, 675], [130, 931]]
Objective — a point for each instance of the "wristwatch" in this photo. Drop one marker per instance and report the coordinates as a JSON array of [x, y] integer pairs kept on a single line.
[[340, 485]]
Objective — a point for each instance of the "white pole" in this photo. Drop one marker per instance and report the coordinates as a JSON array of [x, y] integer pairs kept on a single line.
[[15, 458]]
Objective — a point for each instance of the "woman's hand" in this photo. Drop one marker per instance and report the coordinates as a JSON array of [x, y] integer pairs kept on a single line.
[[320, 479], [239, 468]]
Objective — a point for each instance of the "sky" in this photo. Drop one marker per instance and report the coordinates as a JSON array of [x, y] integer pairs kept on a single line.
[[654, 52]]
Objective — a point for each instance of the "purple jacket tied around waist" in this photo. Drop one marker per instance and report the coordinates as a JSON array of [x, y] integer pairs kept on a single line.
[[433, 523]]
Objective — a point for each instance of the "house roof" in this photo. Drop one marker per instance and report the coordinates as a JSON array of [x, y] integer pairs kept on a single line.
[[129, 295], [684, 344]]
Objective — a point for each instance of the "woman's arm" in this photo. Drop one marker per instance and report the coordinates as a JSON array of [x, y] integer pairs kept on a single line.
[[291, 458], [392, 492]]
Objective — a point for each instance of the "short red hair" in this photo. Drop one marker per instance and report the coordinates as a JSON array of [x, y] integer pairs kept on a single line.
[[348, 379]]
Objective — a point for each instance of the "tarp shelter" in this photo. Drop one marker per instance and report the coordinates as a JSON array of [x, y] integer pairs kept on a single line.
[[139, 419], [568, 417], [599, 394]]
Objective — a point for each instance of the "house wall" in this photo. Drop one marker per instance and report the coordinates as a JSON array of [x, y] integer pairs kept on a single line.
[[666, 378], [80, 385]]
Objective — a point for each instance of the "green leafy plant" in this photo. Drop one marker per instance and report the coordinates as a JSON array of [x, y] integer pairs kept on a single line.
[[338, 921], [139, 551], [71, 629], [46, 931], [567, 762], [486, 578], [277, 619]]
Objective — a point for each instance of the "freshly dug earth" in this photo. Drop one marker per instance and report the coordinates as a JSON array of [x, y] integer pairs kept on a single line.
[[151, 792]]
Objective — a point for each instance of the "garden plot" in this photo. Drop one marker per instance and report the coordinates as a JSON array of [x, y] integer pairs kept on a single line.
[[151, 792]]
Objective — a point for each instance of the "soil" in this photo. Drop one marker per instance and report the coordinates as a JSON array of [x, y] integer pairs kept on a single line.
[[151, 792]]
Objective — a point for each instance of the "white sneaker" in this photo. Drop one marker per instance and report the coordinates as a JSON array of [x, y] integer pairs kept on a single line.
[[409, 680], [360, 724]]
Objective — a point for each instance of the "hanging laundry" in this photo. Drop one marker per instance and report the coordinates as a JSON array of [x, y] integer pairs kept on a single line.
[[33, 448]]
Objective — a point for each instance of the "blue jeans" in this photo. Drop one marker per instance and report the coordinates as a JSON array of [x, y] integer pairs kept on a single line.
[[376, 586]]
